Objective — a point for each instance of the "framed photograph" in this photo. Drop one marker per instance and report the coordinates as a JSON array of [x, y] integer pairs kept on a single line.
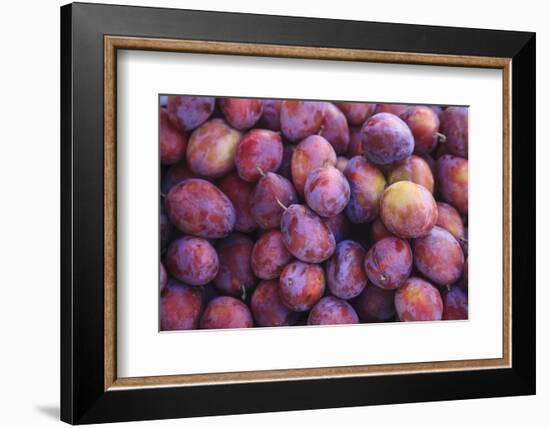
[[266, 213]]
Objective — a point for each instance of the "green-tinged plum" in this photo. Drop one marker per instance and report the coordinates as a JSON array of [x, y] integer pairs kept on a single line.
[[330, 311], [346, 276], [211, 149], [418, 300], [408, 210], [199, 208], [306, 235], [301, 285]]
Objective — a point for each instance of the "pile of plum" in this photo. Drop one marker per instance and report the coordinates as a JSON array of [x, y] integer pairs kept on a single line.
[[290, 212]]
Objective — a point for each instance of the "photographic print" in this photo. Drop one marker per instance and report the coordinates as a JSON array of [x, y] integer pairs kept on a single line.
[[279, 212]]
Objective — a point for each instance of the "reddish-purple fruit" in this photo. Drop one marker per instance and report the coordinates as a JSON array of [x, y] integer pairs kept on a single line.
[[301, 285], [174, 175], [346, 277], [173, 142], [424, 125], [355, 147], [271, 115], [396, 109], [455, 304], [378, 231], [408, 210], [300, 119], [235, 276], [367, 185], [452, 180], [339, 225], [454, 125], [330, 311], [165, 229], [199, 208], [192, 260], [268, 308], [305, 234], [335, 129], [189, 112], [386, 139], [211, 149], [389, 263], [226, 312], [264, 204], [327, 191], [284, 169], [312, 153], [448, 218], [439, 257], [269, 255], [375, 304], [258, 152], [180, 307], [357, 113], [241, 113], [418, 300], [163, 277], [239, 193], [414, 169]]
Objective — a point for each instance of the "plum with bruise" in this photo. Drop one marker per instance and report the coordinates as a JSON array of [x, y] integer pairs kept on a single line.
[[226, 312], [418, 300], [346, 276], [301, 285], [331, 311]]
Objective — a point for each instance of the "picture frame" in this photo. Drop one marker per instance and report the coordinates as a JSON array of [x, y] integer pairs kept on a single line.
[[91, 35]]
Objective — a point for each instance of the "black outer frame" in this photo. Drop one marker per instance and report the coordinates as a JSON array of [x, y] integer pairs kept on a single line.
[[83, 399]]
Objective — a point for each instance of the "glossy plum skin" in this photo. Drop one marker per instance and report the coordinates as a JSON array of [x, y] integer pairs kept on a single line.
[[173, 142], [312, 153], [454, 125], [188, 112], [424, 125], [339, 225], [452, 178], [378, 231], [367, 185], [235, 276], [192, 260], [264, 206], [268, 308], [174, 175], [258, 152], [418, 300], [389, 263], [211, 149], [414, 169], [226, 312], [346, 276], [180, 307], [439, 257], [163, 277], [306, 235], [330, 311], [300, 119], [241, 113], [269, 255], [455, 304], [327, 191], [199, 208], [448, 218], [386, 139], [408, 210], [356, 113], [271, 115], [301, 285], [239, 193], [335, 129], [396, 109], [375, 304]]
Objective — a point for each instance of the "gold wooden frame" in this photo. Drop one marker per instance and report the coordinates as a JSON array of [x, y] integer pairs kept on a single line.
[[113, 43]]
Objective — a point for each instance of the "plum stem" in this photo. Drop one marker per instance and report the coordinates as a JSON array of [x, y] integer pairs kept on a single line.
[[442, 137], [448, 287], [163, 195], [383, 277], [243, 295], [283, 206], [261, 171]]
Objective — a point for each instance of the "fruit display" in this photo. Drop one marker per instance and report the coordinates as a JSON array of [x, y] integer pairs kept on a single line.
[[281, 213]]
